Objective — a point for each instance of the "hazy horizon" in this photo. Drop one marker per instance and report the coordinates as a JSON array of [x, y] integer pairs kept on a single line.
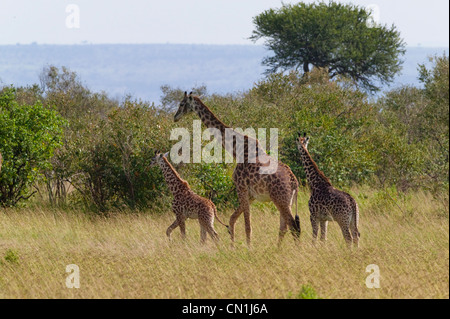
[[180, 43], [141, 69]]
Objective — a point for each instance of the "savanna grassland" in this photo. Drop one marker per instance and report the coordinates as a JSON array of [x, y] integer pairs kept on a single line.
[[127, 255], [77, 188]]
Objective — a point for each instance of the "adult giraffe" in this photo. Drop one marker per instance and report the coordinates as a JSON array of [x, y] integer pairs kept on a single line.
[[252, 183]]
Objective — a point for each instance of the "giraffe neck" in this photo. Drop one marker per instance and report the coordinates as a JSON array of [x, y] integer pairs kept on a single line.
[[208, 117], [210, 120], [316, 179], [175, 183]]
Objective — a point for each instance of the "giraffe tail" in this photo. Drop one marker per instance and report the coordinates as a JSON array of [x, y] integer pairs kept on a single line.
[[297, 218], [296, 203], [217, 217], [356, 217]]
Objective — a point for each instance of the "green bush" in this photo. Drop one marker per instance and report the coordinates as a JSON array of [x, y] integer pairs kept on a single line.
[[415, 122], [307, 292], [112, 158], [336, 116], [214, 181], [29, 135], [399, 141]]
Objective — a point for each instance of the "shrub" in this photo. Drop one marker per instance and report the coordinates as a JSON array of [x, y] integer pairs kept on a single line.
[[307, 292], [29, 135], [338, 118], [112, 158], [214, 181], [415, 124]]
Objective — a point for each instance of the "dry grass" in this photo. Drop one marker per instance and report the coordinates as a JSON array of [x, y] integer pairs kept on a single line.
[[128, 255]]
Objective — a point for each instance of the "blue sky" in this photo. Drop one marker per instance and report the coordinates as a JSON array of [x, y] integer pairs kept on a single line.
[[420, 22]]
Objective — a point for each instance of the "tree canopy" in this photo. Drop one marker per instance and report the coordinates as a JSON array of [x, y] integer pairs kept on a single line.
[[340, 37]]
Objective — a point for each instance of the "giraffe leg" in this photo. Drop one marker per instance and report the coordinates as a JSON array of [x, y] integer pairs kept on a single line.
[[171, 228], [354, 227], [182, 225], [210, 229], [244, 207], [233, 219], [295, 227], [323, 230], [315, 229], [313, 217], [212, 232], [207, 227], [202, 234], [345, 228], [355, 234], [283, 229], [286, 220], [248, 227]]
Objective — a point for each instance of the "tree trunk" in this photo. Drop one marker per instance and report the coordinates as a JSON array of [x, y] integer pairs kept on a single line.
[[306, 67]]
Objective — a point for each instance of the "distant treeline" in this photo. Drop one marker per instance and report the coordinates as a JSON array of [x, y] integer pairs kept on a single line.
[[140, 70]]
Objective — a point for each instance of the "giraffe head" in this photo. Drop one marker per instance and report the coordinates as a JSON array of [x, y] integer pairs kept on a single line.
[[302, 141], [186, 106], [157, 158]]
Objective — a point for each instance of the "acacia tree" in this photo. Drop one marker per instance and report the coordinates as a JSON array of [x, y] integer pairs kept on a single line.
[[339, 37]]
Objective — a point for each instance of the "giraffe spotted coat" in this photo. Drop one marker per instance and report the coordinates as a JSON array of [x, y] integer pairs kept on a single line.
[[187, 204], [326, 202]]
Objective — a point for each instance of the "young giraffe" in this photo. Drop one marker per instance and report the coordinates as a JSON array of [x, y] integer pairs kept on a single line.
[[326, 202], [187, 204], [280, 186]]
